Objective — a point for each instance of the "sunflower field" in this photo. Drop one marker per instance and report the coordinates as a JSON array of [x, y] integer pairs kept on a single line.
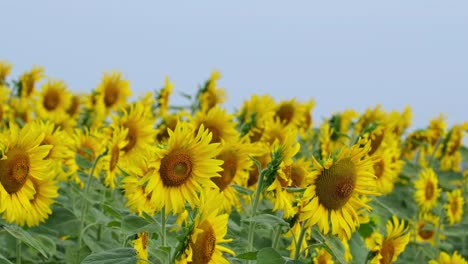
[[99, 178]]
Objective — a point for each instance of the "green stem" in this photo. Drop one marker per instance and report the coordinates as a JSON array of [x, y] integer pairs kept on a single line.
[[254, 210], [299, 242], [163, 225], [18, 251], [276, 238], [84, 205]]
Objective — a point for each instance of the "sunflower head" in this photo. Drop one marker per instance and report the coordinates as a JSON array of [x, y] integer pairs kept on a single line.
[[54, 99], [29, 79], [454, 207], [113, 90], [219, 123], [5, 69], [163, 96], [427, 191], [211, 95]]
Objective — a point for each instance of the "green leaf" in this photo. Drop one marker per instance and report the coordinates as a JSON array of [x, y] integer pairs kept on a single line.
[[267, 219], [82, 162], [242, 190], [333, 245], [248, 255], [4, 260], [26, 238], [294, 189], [269, 256], [113, 256], [111, 212], [133, 224]]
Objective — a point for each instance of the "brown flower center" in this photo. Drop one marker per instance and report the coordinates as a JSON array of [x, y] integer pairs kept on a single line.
[[376, 142], [51, 100], [14, 171], [114, 158], [335, 185], [229, 169], [205, 245], [89, 153], [111, 95], [379, 168], [429, 191], [387, 252], [214, 131], [132, 137], [254, 173], [454, 208], [425, 234], [176, 168], [75, 103], [285, 113], [297, 176]]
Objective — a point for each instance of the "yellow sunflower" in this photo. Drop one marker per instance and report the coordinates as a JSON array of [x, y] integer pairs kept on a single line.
[[113, 91], [387, 167], [427, 191], [163, 97], [29, 80], [290, 112], [210, 228], [387, 249], [212, 95], [454, 207], [22, 108], [445, 258], [140, 133], [335, 194], [53, 100], [27, 188], [141, 246], [111, 161], [219, 123], [322, 257], [4, 105], [5, 70], [182, 167], [236, 165], [427, 228], [451, 157], [403, 120], [256, 112], [306, 122]]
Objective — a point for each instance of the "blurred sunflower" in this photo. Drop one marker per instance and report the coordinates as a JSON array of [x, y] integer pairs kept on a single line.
[[445, 258], [5, 70], [236, 165], [254, 114], [387, 167], [141, 246], [451, 157], [169, 122], [29, 80], [53, 101], [387, 249], [27, 188], [4, 104], [427, 191], [113, 91], [291, 112], [335, 194], [163, 97], [210, 228], [427, 228], [182, 167], [211, 94], [110, 162], [219, 123], [402, 120], [454, 208]]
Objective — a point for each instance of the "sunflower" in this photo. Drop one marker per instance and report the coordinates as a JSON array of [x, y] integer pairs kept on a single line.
[[403, 120], [111, 161], [445, 258], [427, 228], [335, 193], [29, 79], [187, 163], [208, 233], [322, 257], [113, 91], [454, 207], [22, 109], [211, 94], [140, 133], [236, 165], [140, 244], [4, 105], [387, 249], [219, 123], [254, 114], [290, 112], [387, 167], [306, 122], [427, 191], [135, 191], [53, 100], [169, 122], [27, 188], [163, 97], [451, 157], [5, 69]]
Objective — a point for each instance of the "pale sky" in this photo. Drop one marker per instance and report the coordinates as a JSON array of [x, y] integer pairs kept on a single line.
[[344, 54]]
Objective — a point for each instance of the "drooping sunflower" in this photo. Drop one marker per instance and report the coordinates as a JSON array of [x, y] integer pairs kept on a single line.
[[141, 246], [113, 91], [182, 167], [27, 187], [5, 69], [445, 258], [335, 194], [53, 100], [210, 228], [236, 165], [140, 133], [163, 97], [219, 123], [211, 94], [111, 161], [427, 191], [29, 80], [454, 208], [427, 228], [387, 249]]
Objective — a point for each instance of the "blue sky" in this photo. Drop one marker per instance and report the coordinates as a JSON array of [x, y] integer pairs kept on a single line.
[[344, 54]]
